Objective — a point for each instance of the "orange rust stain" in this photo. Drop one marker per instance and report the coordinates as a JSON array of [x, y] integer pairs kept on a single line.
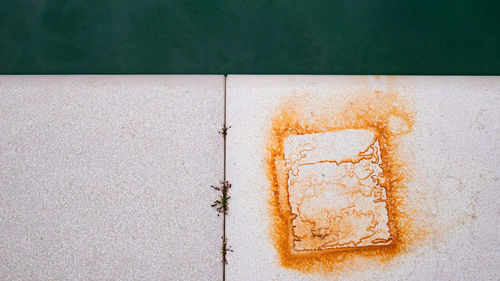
[[366, 109]]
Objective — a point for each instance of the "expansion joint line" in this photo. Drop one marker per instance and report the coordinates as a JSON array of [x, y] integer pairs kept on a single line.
[[221, 204]]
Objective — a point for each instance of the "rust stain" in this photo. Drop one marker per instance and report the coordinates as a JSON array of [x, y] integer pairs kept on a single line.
[[388, 115]]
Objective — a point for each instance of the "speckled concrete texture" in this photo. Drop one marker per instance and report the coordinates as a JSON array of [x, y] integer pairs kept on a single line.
[[108, 177], [448, 198]]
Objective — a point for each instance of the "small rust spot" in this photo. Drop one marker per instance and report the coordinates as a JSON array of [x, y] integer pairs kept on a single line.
[[310, 230]]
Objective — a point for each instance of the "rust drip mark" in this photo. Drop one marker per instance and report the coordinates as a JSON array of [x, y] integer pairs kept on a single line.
[[333, 205]]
